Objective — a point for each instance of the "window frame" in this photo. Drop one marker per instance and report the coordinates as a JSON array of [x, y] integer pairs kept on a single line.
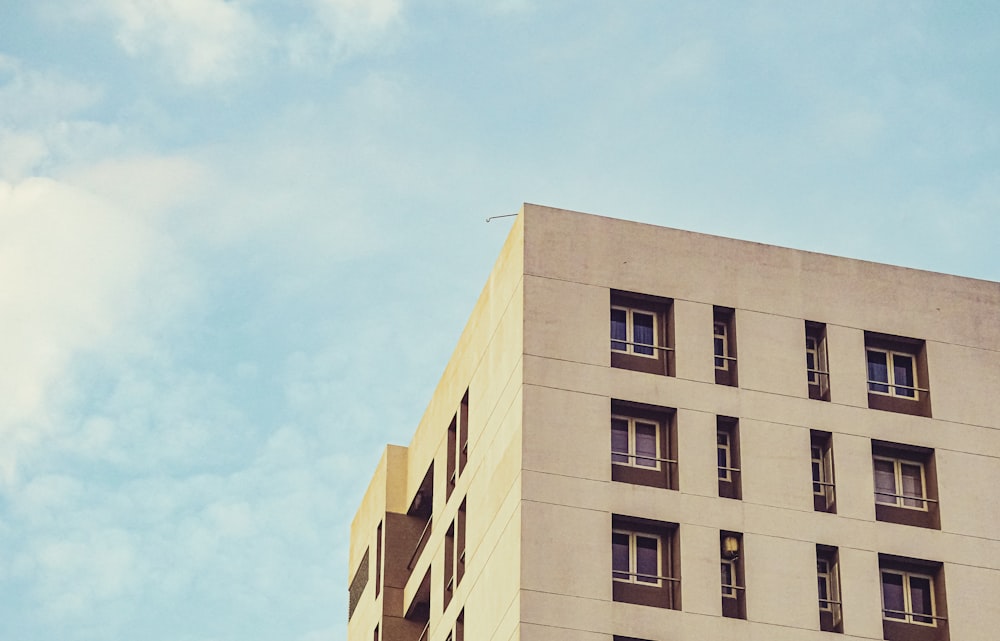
[[629, 342], [892, 387], [898, 499], [831, 608], [812, 371], [632, 457], [726, 451], [730, 590], [817, 361], [721, 338], [907, 615], [633, 558], [825, 584], [724, 346], [824, 488], [730, 476]]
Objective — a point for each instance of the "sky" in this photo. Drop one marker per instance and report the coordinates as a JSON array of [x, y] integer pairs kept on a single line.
[[239, 240]]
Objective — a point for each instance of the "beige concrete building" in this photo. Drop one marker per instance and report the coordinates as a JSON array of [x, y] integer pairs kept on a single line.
[[773, 445]]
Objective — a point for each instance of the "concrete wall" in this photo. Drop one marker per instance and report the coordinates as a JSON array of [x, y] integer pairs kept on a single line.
[[488, 363], [573, 261]]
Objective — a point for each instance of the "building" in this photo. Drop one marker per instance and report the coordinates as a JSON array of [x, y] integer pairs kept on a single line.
[[774, 444]]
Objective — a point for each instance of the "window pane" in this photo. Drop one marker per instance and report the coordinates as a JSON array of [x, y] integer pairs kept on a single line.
[[645, 444], [643, 333], [727, 579], [824, 592], [619, 555], [811, 358], [723, 455], [647, 559], [920, 598], [618, 331], [912, 484], [902, 371], [885, 482], [878, 371], [619, 440], [817, 469], [892, 596]]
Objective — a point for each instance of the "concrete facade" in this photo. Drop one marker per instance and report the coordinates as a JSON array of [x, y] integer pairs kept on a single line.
[[501, 519]]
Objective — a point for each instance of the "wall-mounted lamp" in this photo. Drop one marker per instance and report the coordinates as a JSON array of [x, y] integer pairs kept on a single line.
[[730, 546]]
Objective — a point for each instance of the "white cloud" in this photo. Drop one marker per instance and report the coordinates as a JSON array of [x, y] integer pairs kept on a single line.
[[20, 153], [345, 28], [32, 96], [41, 124], [73, 270], [200, 41]]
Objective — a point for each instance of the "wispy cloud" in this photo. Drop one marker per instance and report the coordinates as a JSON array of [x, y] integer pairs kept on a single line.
[[341, 29], [199, 41], [73, 269]]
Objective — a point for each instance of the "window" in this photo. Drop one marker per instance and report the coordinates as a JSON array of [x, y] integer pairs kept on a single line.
[[645, 562], [460, 544], [891, 373], [728, 454], [449, 566], [732, 582], [897, 374], [913, 599], [828, 585], [817, 372], [463, 432], [635, 558], [635, 442], [641, 333], [454, 557], [905, 484], [378, 559], [458, 444], [633, 331], [724, 331], [900, 483], [821, 454], [720, 333], [907, 597], [358, 584], [643, 439]]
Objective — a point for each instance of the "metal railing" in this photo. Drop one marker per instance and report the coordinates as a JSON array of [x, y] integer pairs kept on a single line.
[[912, 615], [420, 543], [905, 497], [896, 385], [616, 575], [615, 341], [644, 457]]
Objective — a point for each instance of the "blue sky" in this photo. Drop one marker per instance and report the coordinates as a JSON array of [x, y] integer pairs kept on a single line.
[[238, 241]]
